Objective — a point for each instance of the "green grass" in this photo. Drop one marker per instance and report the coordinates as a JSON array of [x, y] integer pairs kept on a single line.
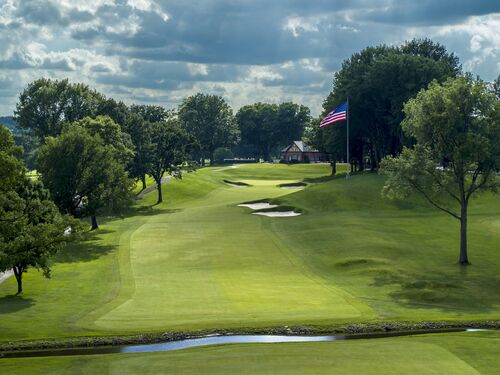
[[453, 353], [199, 262]]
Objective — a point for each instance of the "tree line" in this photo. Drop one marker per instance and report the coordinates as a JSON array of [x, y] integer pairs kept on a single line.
[[90, 150]]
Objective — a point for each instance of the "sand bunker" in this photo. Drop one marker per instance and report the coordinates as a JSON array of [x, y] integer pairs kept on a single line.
[[278, 213], [236, 183], [293, 185], [258, 205]]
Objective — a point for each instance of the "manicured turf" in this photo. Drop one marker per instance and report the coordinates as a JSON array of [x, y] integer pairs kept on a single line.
[[453, 353], [200, 262]]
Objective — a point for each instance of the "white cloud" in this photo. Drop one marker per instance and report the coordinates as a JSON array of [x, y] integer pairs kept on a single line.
[[297, 25]]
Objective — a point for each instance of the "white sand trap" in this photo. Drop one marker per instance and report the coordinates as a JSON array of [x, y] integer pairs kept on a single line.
[[258, 205], [236, 185], [278, 213], [293, 187]]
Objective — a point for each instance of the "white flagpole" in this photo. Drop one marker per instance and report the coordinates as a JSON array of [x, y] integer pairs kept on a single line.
[[348, 175]]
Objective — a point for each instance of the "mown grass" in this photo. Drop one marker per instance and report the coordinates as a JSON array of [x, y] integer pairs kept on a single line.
[[199, 262], [452, 353]]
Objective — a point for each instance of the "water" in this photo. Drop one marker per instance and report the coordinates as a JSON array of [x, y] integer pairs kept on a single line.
[[208, 340]]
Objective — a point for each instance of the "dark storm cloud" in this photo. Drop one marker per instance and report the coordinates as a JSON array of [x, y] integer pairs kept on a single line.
[[430, 12]]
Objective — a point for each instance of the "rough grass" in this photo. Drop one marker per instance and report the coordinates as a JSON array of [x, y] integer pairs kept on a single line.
[[453, 353]]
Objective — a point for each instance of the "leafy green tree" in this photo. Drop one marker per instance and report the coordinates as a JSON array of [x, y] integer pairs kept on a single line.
[[35, 235], [45, 105], [495, 87], [31, 227], [139, 131], [456, 127], [172, 147], [222, 153], [84, 167], [258, 127], [377, 81], [150, 113], [291, 122], [210, 119], [269, 127]]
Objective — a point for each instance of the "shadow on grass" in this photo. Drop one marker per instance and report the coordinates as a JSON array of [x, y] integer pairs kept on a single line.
[[92, 246], [338, 176], [13, 303], [450, 291], [83, 251]]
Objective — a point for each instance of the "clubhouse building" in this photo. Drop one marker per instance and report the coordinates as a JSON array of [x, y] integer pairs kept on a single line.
[[299, 152]]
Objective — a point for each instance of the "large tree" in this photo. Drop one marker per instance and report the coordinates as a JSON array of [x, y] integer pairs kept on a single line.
[[139, 131], [377, 81], [268, 127], [84, 167], [210, 119], [171, 149], [456, 128], [150, 113], [32, 229], [45, 105]]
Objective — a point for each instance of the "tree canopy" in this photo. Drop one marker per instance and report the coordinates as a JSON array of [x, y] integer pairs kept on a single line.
[[32, 229], [171, 148], [456, 130], [267, 127], [84, 167], [45, 105], [210, 120], [378, 81]]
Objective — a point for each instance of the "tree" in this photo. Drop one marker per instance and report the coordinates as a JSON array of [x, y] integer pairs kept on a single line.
[[150, 113], [84, 167], [36, 235], [377, 81], [456, 127], [31, 227], [268, 127], [210, 119], [140, 135], [257, 123], [172, 146], [45, 105]]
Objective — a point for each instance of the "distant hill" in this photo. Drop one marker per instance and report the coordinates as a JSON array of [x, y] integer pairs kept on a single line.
[[9, 122]]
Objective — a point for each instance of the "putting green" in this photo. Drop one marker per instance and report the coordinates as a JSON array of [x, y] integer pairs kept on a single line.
[[456, 353]]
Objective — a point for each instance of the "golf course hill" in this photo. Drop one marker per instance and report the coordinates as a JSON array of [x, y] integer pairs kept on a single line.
[[199, 263]]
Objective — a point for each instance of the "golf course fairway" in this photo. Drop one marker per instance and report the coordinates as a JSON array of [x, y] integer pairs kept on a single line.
[[199, 263]]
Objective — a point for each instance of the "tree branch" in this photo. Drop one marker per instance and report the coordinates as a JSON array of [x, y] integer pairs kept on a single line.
[[429, 199]]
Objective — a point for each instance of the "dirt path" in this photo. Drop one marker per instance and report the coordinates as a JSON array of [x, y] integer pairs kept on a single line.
[[164, 180]]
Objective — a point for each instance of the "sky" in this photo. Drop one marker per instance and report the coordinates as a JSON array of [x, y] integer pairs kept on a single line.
[[161, 51]]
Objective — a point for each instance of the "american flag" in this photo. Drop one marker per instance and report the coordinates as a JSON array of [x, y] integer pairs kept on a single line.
[[338, 114]]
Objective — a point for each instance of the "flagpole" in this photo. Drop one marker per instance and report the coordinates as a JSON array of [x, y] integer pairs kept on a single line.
[[348, 175]]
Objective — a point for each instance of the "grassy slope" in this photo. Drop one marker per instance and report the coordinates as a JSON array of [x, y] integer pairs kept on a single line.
[[198, 261], [456, 353], [399, 257]]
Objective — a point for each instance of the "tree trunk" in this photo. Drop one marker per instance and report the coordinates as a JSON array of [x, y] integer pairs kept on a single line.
[[334, 167], [143, 180], [94, 222], [18, 273], [463, 260], [211, 158], [160, 194]]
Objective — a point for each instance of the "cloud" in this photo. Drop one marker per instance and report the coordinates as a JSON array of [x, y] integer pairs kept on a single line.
[[161, 51]]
